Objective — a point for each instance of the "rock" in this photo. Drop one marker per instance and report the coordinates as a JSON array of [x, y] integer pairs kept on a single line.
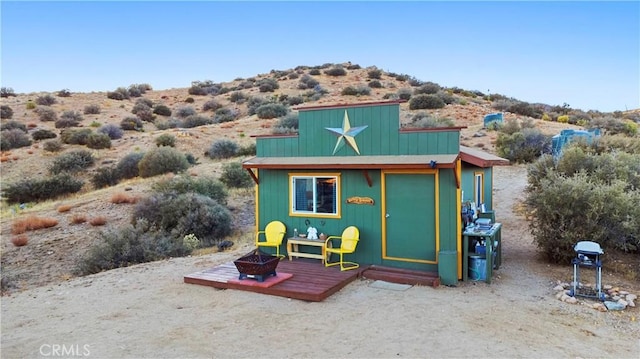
[[631, 304], [622, 302], [564, 297], [600, 307], [571, 300], [607, 287], [560, 294], [623, 292], [613, 305], [631, 297], [615, 298], [558, 287]]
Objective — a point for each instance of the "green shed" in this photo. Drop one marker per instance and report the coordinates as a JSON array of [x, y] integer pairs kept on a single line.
[[353, 165]]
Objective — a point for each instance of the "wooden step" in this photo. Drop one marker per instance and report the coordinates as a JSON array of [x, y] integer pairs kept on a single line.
[[402, 276]]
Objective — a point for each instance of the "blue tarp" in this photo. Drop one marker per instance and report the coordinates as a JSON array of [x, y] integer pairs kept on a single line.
[[492, 117], [565, 136]]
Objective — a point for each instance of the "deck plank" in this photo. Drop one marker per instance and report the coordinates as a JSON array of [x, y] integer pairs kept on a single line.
[[311, 280]]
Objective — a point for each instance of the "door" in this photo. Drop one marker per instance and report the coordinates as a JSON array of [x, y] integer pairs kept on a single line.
[[410, 216]]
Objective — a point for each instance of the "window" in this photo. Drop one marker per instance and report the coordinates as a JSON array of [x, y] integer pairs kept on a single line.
[[315, 195], [478, 188]]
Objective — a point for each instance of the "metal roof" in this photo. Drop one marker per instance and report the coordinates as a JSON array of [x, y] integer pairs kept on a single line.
[[481, 158]]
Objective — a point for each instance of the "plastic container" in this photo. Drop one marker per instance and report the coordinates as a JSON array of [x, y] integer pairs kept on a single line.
[[477, 268]]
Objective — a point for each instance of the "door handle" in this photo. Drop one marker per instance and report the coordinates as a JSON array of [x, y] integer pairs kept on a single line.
[[387, 215]]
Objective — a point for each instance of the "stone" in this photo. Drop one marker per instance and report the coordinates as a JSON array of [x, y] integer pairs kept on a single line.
[[623, 292], [623, 302], [607, 287], [564, 297], [558, 287], [600, 307], [613, 305], [571, 300], [631, 304], [631, 297], [560, 294], [615, 298]]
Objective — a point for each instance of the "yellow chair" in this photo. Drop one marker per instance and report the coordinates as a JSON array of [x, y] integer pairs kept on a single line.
[[273, 236], [348, 242]]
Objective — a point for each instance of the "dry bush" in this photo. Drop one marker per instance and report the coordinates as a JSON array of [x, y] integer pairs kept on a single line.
[[119, 198], [32, 223], [20, 240], [98, 221], [78, 218], [64, 208], [5, 159]]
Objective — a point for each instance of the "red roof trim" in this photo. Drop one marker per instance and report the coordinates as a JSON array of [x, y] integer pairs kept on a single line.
[[432, 129], [343, 105]]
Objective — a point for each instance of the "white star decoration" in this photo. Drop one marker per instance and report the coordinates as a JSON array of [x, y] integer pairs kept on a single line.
[[346, 133]]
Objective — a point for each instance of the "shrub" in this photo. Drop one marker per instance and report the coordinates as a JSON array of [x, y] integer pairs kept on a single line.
[[202, 88], [271, 110], [129, 245], [196, 120], [64, 208], [419, 102], [92, 109], [31, 190], [119, 198], [314, 72], [446, 97], [20, 240], [166, 140], [64, 93], [563, 119], [374, 74], [13, 125], [105, 177], [253, 103], [98, 141], [237, 97], [211, 105], [140, 106], [114, 132], [295, 100], [169, 123], [336, 71], [46, 113], [42, 134], [525, 109], [225, 115], [146, 115], [72, 162], [356, 91], [523, 147], [162, 110], [375, 84], [182, 214], [15, 138], [69, 119], [98, 221], [75, 137], [162, 160], [6, 112], [185, 111], [131, 124], [404, 94], [206, 186], [233, 175], [189, 100], [46, 100], [128, 166], [248, 150], [268, 85], [223, 149], [78, 219], [289, 121], [7, 92], [307, 82], [424, 120], [30, 105], [52, 146], [32, 223], [119, 94], [428, 88]]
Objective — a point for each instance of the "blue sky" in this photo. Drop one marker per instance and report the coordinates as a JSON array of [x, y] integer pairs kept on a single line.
[[586, 54]]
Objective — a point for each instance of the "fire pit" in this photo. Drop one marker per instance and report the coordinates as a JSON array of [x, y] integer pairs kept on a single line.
[[257, 265]]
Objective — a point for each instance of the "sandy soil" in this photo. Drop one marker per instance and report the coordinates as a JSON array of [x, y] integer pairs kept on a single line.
[[147, 311]]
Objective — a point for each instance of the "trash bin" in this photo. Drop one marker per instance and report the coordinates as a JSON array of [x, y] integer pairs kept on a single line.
[[448, 267], [477, 267]]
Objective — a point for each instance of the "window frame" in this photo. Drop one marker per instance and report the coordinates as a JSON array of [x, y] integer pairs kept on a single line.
[[314, 176], [478, 188]]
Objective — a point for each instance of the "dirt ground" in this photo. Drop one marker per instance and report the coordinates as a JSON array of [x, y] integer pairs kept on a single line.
[[146, 311]]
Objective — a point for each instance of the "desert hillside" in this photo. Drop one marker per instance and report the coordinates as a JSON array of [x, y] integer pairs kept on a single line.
[[51, 254]]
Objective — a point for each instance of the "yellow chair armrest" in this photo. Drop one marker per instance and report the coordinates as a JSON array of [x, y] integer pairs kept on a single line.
[[258, 235]]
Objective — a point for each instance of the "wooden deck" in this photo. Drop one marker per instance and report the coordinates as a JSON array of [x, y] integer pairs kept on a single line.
[[311, 280], [401, 276]]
